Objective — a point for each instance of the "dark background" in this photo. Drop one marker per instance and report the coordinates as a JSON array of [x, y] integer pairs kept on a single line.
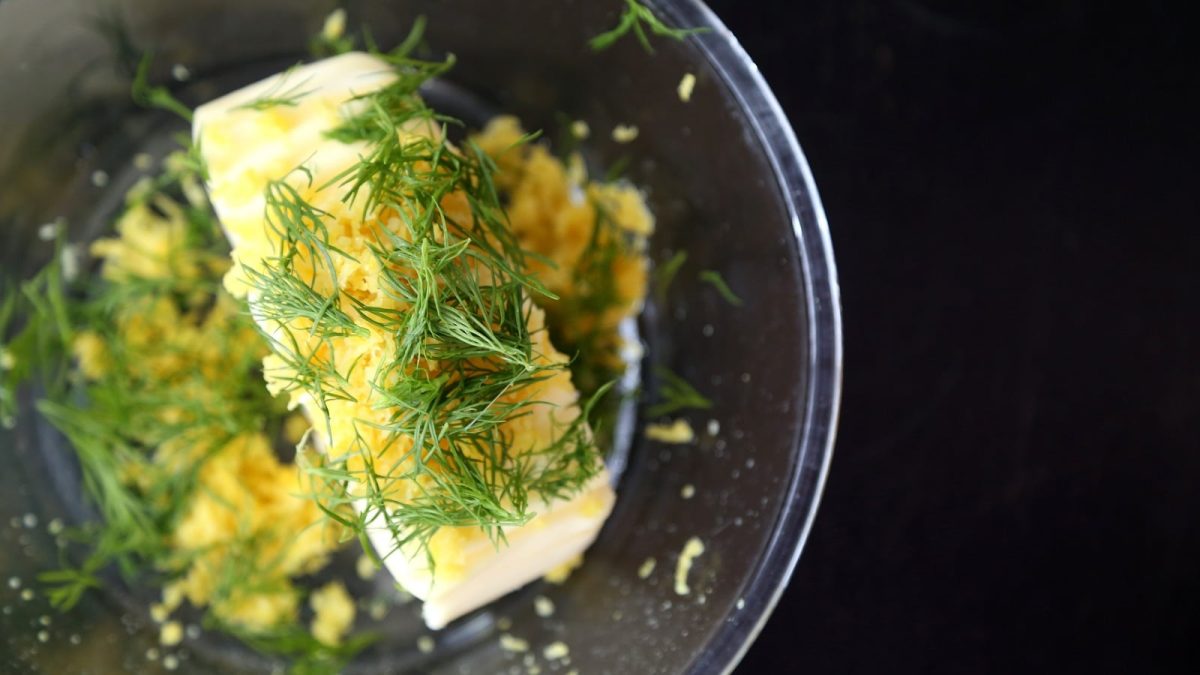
[[1012, 191]]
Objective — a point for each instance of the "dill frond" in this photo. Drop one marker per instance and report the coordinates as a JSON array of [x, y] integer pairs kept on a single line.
[[715, 279], [155, 96], [279, 95], [638, 18], [462, 356], [676, 394], [666, 273]]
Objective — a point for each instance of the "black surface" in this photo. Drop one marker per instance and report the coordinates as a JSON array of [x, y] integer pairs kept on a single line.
[[1013, 197]]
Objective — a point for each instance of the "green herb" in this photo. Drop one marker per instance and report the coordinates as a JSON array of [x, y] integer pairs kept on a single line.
[[279, 95], [37, 348], [718, 282], [665, 274], [117, 422], [309, 655], [155, 96], [638, 18], [463, 351], [676, 395]]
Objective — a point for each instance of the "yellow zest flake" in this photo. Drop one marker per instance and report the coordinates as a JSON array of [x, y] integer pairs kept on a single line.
[[159, 612], [686, 85], [677, 432], [691, 550], [543, 607], [624, 133], [246, 528], [335, 25], [91, 354], [171, 634], [580, 129], [556, 650], [560, 574], [511, 643], [646, 569], [366, 567], [334, 609]]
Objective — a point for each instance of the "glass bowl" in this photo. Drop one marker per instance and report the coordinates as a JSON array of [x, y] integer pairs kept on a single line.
[[723, 174]]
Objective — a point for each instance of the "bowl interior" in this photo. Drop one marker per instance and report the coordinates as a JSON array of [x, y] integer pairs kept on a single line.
[[65, 113]]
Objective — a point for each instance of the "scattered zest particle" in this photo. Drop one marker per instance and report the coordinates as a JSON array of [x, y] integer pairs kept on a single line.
[[159, 612], [365, 567], [47, 232], [691, 550], [334, 613], [171, 634], [647, 568], [713, 428], [511, 643], [180, 72], [425, 644], [624, 133], [559, 574], [686, 86], [335, 25], [688, 491], [556, 650], [677, 432], [580, 129], [332, 39], [543, 606]]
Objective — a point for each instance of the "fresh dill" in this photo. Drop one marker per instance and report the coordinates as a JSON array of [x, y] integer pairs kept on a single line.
[[37, 347], [715, 279], [152, 374], [280, 95], [149, 96], [676, 394], [463, 358], [639, 19], [666, 273]]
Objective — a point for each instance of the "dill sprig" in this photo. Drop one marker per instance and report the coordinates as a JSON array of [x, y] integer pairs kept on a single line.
[[666, 273], [148, 96], [638, 18], [145, 424], [463, 354], [676, 394], [715, 279], [279, 95], [37, 348]]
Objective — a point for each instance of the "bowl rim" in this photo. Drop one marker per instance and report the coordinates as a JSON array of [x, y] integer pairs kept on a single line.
[[813, 446]]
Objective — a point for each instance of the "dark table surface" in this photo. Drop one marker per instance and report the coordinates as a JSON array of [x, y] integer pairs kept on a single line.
[[1013, 194]]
